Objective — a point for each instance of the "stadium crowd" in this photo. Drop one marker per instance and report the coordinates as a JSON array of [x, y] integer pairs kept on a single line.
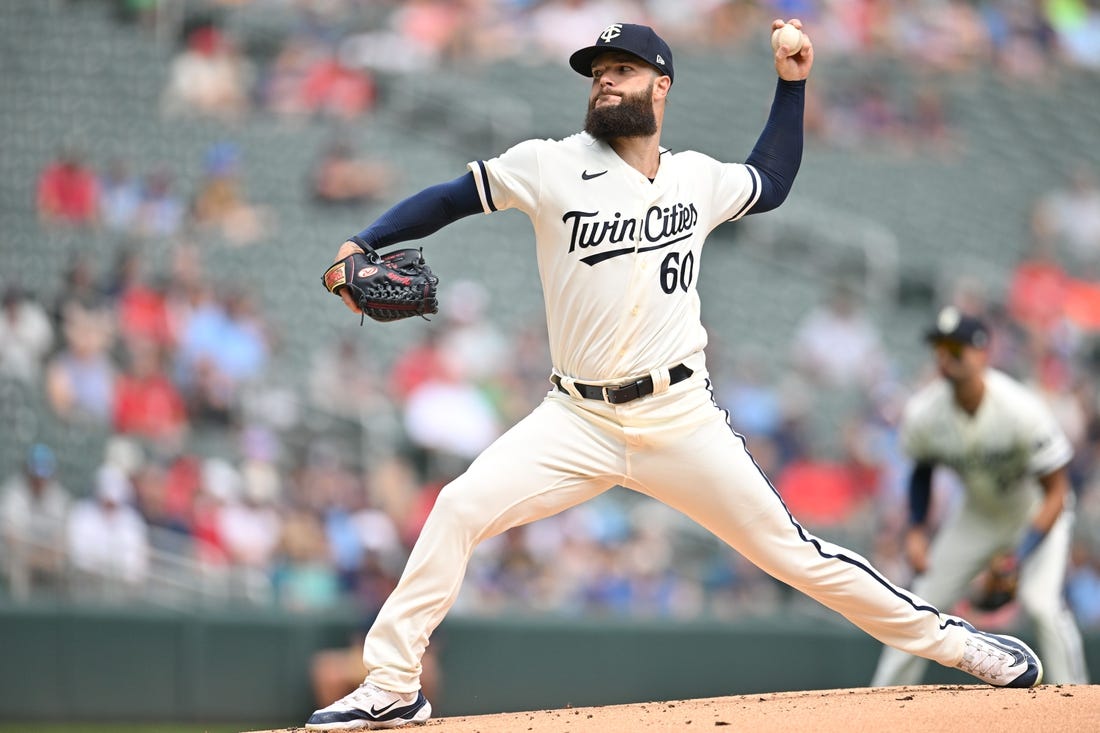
[[158, 362]]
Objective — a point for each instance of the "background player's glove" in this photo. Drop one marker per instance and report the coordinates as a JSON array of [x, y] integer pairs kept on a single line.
[[998, 586], [386, 287]]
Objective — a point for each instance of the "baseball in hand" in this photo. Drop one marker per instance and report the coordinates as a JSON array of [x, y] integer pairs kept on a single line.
[[787, 35]]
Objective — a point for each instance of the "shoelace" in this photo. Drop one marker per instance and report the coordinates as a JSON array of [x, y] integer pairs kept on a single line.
[[365, 695], [361, 694], [983, 659]]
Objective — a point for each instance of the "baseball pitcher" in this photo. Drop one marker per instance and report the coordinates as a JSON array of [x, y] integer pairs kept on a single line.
[[619, 225], [1016, 516]]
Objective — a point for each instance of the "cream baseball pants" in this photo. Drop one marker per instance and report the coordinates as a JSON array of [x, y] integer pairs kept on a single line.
[[676, 446]]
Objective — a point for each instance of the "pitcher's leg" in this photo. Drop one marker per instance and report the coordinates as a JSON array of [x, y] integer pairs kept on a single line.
[[958, 553], [548, 462], [711, 478]]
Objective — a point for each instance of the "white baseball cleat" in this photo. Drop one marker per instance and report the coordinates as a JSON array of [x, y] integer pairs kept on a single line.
[[370, 708], [1000, 660]]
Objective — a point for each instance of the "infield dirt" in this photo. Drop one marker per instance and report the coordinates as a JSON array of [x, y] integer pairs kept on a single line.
[[917, 709]]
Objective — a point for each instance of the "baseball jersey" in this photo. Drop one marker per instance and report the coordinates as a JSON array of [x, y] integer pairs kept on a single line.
[[998, 452], [618, 255]]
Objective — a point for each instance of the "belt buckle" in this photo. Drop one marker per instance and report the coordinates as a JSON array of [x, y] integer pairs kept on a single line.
[[622, 393]]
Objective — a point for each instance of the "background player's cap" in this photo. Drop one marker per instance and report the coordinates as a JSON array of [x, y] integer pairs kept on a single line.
[[639, 40], [951, 325]]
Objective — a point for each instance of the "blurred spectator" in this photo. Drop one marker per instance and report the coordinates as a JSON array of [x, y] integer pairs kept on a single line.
[[279, 89], [223, 346], [182, 484], [77, 288], [943, 36], [1023, 41], [26, 336], [1069, 218], [866, 114], [141, 308], [250, 526], [364, 546], [449, 415], [169, 527], [875, 441], [928, 121], [34, 509], [821, 492], [1037, 288], [304, 576], [143, 314], [473, 343], [429, 27], [232, 335], [555, 26], [339, 178], [421, 362], [126, 270], [161, 212], [218, 484], [527, 375], [1076, 23], [80, 378], [147, 404], [752, 400], [220, 206], [331, 89], [107, 538], [68, 191], [836, 344], [209, 77], [344, 380], [119, 195]]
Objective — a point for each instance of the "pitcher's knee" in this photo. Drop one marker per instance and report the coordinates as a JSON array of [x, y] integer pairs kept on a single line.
[[455, 512]]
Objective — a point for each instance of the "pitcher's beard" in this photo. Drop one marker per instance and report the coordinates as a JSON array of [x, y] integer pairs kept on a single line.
[[631, 117]]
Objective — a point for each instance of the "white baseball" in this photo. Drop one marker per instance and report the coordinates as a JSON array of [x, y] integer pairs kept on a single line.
[[790, 36]]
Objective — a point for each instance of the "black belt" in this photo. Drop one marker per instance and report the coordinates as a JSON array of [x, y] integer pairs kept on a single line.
[[617, 395]]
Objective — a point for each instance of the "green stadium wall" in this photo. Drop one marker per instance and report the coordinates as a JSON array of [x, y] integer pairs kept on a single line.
[[79, 664]]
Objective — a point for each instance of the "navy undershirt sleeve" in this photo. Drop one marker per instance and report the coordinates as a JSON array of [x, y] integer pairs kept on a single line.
[[920, 493], [778, 151], [424, 213]]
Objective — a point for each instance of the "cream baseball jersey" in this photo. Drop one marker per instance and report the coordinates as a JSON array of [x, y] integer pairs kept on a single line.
[[618, 255], [998, 452]]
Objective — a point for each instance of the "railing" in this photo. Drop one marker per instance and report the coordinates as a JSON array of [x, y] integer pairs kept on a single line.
[[172, 578]]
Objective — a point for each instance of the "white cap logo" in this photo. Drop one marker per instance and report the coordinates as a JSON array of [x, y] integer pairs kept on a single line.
[[948, 320], [660, 60], [611, 32]]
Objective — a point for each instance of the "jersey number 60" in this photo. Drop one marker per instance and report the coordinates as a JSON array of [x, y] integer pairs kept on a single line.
[[675, 273]]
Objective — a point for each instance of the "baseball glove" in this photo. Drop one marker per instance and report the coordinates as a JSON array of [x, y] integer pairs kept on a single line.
[[998, 586], [386, 287]]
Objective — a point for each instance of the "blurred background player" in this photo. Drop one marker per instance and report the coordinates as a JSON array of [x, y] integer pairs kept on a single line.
[[1011, 457]]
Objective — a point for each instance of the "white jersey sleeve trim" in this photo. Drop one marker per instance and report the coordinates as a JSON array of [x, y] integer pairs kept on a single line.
[[481, 180], [754, 196]]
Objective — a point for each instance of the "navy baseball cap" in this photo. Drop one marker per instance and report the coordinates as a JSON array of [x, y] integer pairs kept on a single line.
[[951, 325], [637, 40]]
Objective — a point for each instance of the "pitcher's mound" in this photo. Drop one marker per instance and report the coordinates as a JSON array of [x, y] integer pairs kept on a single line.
[[918, 709]]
